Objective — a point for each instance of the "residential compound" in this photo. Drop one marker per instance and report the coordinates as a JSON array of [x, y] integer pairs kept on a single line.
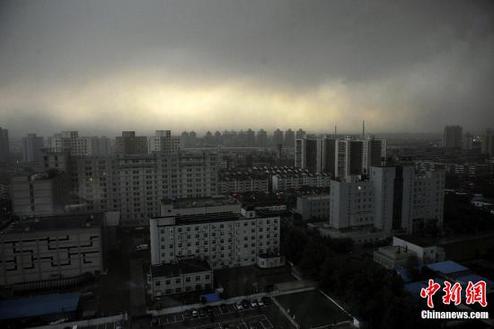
[[338, 157], [392, 198], [49, 252], [136, 184], [238, 181]]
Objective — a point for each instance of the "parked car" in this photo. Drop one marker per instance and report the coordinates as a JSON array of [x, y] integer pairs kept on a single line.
[[245, 303], [253, 303], [239, 307], [260, 302], [195, 314]]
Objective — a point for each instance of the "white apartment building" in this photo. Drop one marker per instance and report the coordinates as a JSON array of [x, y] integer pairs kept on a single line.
[[224, 239], [313, 206], [50, 251], [42, 194], [351, 204], [392, 198], [422, 198]]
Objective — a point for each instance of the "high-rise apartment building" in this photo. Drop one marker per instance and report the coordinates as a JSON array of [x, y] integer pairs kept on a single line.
[[289, 140], [136, 184], [453, 137], [71, 142], [31, 148], [487, 142], [277, 137], [262, 138], [339, 157], [129, 144], [392, 198], [164, 142], [4, 145]]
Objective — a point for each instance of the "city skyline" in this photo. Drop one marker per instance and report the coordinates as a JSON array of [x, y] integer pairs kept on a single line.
[[401, 66]]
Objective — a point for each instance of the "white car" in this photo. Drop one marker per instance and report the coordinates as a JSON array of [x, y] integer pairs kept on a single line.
[[195, 314], [260, 302], [239, 306], [253, 303]]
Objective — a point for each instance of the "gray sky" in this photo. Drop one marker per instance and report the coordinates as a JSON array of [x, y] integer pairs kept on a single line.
[[105, 66]]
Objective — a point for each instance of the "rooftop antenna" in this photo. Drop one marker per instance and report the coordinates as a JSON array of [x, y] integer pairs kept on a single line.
[[363, 129], [334, 131]]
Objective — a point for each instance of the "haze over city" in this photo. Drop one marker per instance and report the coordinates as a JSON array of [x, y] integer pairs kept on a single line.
[[106, 66]]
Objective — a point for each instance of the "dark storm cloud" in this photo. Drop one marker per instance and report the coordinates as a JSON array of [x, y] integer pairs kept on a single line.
[[429, 62]]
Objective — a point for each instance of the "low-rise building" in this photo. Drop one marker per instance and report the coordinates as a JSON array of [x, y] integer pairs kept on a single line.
[[424, 249], [391, 257], [183, 276], [50, 251]]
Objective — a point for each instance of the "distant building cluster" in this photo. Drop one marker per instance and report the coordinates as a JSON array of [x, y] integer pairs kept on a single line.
[[339, 157]]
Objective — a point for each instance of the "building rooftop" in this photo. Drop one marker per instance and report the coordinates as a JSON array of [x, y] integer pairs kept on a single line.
[[447, 267], [201, 218], [36, 306], [200, 202], [418, 240], [182, 267], [60, 222]]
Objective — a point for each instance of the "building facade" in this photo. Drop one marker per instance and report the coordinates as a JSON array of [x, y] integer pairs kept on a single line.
[[393, 198], [31, 148], [4, 145], [222, 239], [313, 207], [134, 185], [46, 251], [453, 137], [339, 157], [181, 277], [42, 194]]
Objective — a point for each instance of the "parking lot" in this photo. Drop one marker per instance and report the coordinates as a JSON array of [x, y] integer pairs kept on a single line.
[[225, 316]]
